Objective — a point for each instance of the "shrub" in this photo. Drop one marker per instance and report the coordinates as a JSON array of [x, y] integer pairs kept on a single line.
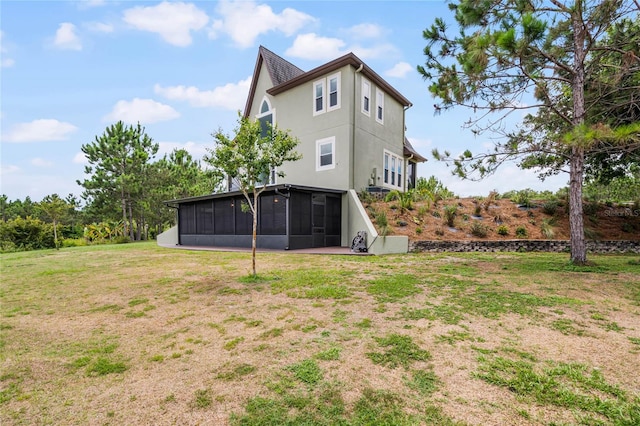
[[404, 198], [523, 198], [74, 242], [365, 197], [479, 230], [25, 234], [382, 222], [121, 240], [423, 210], [491, 199], [521, 232], [547, 228], [450, 213], [591, 208], [550, 207], [503, 230]]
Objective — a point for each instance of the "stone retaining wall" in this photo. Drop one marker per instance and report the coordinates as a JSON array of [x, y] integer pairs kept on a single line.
[[522, 246]]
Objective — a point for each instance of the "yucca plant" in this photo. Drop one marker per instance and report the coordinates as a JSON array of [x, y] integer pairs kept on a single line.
[[450, 213]]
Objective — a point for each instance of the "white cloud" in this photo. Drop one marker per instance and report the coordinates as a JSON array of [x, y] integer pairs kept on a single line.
[[399, 70], [145, 111], [86, 4], [311, 46], [421, 145], [231, 96], [244, 21], [80, 158], [41, 162], [378, 51], [196, 149], [99, 27], [172, 21], [364, 31], [39, 131], [9, 169], [66, 37], [5, 62]]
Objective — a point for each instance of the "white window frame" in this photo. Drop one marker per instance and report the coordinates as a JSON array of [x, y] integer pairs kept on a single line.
[[323, 85], [366, 94], [379, 106], [393, 173], [321, 142], [337, 77], [273, 175]]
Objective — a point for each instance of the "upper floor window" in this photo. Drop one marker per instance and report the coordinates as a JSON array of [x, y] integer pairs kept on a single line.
[[325, 153], [366, 97], [265, 107], [318, 97], [326, 94], [334, 91], [392, 176], [379, 106], [266, 117]]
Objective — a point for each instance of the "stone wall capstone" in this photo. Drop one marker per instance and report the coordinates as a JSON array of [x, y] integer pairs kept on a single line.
[[557, 246]]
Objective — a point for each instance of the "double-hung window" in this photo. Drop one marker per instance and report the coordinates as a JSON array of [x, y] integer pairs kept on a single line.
[[326, 94], [319, 97], [325, 153], [392, 170], [334, 92], [366, 97], [379, 106]]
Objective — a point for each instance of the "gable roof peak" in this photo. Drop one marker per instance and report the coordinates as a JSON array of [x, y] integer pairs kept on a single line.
[[280, 70]]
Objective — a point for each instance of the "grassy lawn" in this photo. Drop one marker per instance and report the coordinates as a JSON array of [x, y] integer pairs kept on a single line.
[[137, 334]]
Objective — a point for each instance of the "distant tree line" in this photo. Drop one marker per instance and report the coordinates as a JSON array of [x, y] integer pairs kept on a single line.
[[123, 199]]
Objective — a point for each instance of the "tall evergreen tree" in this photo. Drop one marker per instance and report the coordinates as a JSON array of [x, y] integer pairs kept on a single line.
[[118, 164], [508, 50]]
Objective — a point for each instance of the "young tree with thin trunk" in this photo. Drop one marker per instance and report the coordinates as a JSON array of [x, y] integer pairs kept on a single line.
[[248, 158], [513, 55], [56, 209]]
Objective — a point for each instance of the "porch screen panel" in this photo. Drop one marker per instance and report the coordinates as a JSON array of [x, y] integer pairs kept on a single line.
[[204, 218], [244, 220], [224, 211], [187, 219], [334, 215], [300, 214], [273, 211]]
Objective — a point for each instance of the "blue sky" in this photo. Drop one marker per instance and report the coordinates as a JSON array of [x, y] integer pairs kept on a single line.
[[183, 69]]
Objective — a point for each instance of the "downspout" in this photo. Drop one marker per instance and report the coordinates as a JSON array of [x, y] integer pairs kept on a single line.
[[404, 136], [352, 172]]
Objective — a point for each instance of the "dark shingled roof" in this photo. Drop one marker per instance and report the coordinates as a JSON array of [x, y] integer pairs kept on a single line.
[[409, 151], [280, 70]]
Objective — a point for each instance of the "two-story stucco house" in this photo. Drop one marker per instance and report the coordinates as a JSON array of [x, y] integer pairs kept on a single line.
[[351, 127]]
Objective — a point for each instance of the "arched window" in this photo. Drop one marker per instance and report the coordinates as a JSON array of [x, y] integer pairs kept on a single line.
[[265, 117], [265, 107], [267, 121]]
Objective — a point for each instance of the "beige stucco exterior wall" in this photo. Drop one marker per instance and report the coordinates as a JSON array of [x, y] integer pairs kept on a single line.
[[293, 110]]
